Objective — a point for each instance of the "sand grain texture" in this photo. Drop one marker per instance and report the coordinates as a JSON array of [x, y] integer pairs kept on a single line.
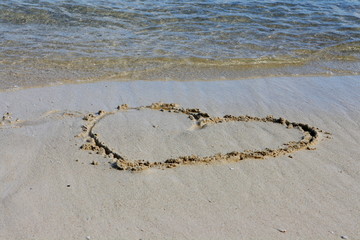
[[51, 190]]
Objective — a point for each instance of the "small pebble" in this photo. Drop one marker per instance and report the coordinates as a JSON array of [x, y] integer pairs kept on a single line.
[[344, 237], [68, 185], [231, 168], [282, 230], [88, 237]]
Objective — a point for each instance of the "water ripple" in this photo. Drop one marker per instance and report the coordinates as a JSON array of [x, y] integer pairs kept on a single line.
[[215, 31]]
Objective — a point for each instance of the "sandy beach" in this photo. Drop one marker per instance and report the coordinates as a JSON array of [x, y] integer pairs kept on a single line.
[[271, 158]]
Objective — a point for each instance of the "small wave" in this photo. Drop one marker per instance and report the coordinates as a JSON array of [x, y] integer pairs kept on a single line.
[[147, 40]]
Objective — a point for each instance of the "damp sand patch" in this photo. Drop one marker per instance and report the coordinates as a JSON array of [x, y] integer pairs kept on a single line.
[[166, 135]]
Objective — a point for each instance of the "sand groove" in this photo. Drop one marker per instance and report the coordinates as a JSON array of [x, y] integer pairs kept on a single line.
[[310, 137], [7, 120]]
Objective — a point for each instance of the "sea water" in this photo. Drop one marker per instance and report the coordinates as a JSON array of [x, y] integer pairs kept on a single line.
[[53, 41]]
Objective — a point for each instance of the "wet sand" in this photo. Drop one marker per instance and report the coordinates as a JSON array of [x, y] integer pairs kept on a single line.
[[255, 159]]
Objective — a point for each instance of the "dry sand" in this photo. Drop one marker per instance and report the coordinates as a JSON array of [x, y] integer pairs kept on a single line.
[[62, 149]]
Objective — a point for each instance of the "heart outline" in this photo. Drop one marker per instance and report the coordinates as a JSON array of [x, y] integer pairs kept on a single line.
[[311, 136]]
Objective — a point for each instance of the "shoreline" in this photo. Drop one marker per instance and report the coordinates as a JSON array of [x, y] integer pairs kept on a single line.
[[198, 78], [51, 189]]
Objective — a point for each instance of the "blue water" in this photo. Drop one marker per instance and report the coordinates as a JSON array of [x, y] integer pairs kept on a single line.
[[42, 42]]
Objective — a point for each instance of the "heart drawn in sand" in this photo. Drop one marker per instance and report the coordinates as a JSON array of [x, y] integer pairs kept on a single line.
[[198, 120]]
